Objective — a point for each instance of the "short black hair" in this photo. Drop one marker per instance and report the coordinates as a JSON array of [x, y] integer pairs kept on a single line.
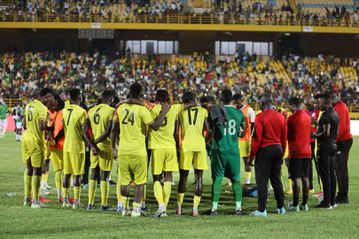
[[46, 91], [295, 101], [162, 96], [107, 95], [188, 96], [237, 96], [266, 99], [135, 90], [74, 94], [226, 95], [60, 104]]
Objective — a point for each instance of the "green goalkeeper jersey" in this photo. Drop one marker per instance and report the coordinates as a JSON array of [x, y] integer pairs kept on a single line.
[[228, 141], [3, 111]]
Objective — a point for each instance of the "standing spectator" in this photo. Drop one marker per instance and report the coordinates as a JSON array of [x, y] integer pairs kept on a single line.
[[344, 143], [327, 148], [268, 145]]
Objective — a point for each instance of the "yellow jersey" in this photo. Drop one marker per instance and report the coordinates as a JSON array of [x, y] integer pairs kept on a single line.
[[192, 122], [133, 120], [99, 117], [163, 138], [34, 112], [73, 119]]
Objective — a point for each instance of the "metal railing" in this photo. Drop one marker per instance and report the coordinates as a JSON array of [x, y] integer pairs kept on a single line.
[[179, 19]]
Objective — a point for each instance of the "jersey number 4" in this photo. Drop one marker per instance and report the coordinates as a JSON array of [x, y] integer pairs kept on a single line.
[[129, 117]]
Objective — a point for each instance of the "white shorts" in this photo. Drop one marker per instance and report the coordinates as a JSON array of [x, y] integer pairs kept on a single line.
[[3, 123], [18, 125]]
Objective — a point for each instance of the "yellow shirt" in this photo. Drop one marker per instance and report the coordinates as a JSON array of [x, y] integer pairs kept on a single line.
[[133, 120], [34, 112], [99, 117], [163, 138], [192, 122], [73, 118]]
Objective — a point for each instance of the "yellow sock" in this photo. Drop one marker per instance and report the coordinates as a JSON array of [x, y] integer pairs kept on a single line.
[[290, 185], [36, 187], [118, 191], [157, 189], [58, 180], [143, 201], [248, 176], [44, 177], [125, 202], [136, 206], [65, 192], [92, 191], [27, 185], [77, 192], [167, 192], [104, 192], [196, 201], [180, 197]]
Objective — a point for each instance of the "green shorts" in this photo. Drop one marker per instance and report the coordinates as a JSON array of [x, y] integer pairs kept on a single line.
[[225, 164]]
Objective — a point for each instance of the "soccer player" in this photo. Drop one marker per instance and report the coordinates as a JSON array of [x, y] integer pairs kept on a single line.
[[100, 119], [73, 119], [193, 150], [299, 133], [162, 142], [314, 116], [57, 144], [130, 123], [268, 145], [225, 158], [18, 114], [33, 145], [244, 142], [344, 142], [3, 115], [328, 127]]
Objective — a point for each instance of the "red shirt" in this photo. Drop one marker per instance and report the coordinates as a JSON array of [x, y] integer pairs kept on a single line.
[[299, 135], [314, 116], [344, 121], [270, 128]]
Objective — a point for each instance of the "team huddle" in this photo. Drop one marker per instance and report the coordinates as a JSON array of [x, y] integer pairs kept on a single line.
[[175, 137]]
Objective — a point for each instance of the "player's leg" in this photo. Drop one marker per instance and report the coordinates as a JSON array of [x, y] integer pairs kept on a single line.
[[139, 170], [333, 179], [45, 176], [217, 167], [78, 164], [275, 179], [244, 153], [125, 178], [324, 169], [294, 169], [27, 183], [186, 159], [92, 186], [233, 171], [105, 189], [57, 164], [199, 165], [310, 172], [342, 170], [262, 173], [68, 171], [170, 165]]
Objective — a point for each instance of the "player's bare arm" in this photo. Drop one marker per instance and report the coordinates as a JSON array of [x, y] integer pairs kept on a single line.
[[87, 138], [106, 134], [159, 120]]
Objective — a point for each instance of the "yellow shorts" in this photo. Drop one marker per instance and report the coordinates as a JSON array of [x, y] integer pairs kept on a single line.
[[197, 159], [133, 168], [74, 163], [244, 148], [164, 160], [57, 159], [30, 149], [103, 159]]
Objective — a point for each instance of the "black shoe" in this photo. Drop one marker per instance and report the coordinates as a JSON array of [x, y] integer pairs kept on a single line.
[[341, 200], [323, 205], [213, 212], [112, 183], [105, 208], [238, 212]]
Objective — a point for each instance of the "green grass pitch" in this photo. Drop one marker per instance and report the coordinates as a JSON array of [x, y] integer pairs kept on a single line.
[[55, 222]]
